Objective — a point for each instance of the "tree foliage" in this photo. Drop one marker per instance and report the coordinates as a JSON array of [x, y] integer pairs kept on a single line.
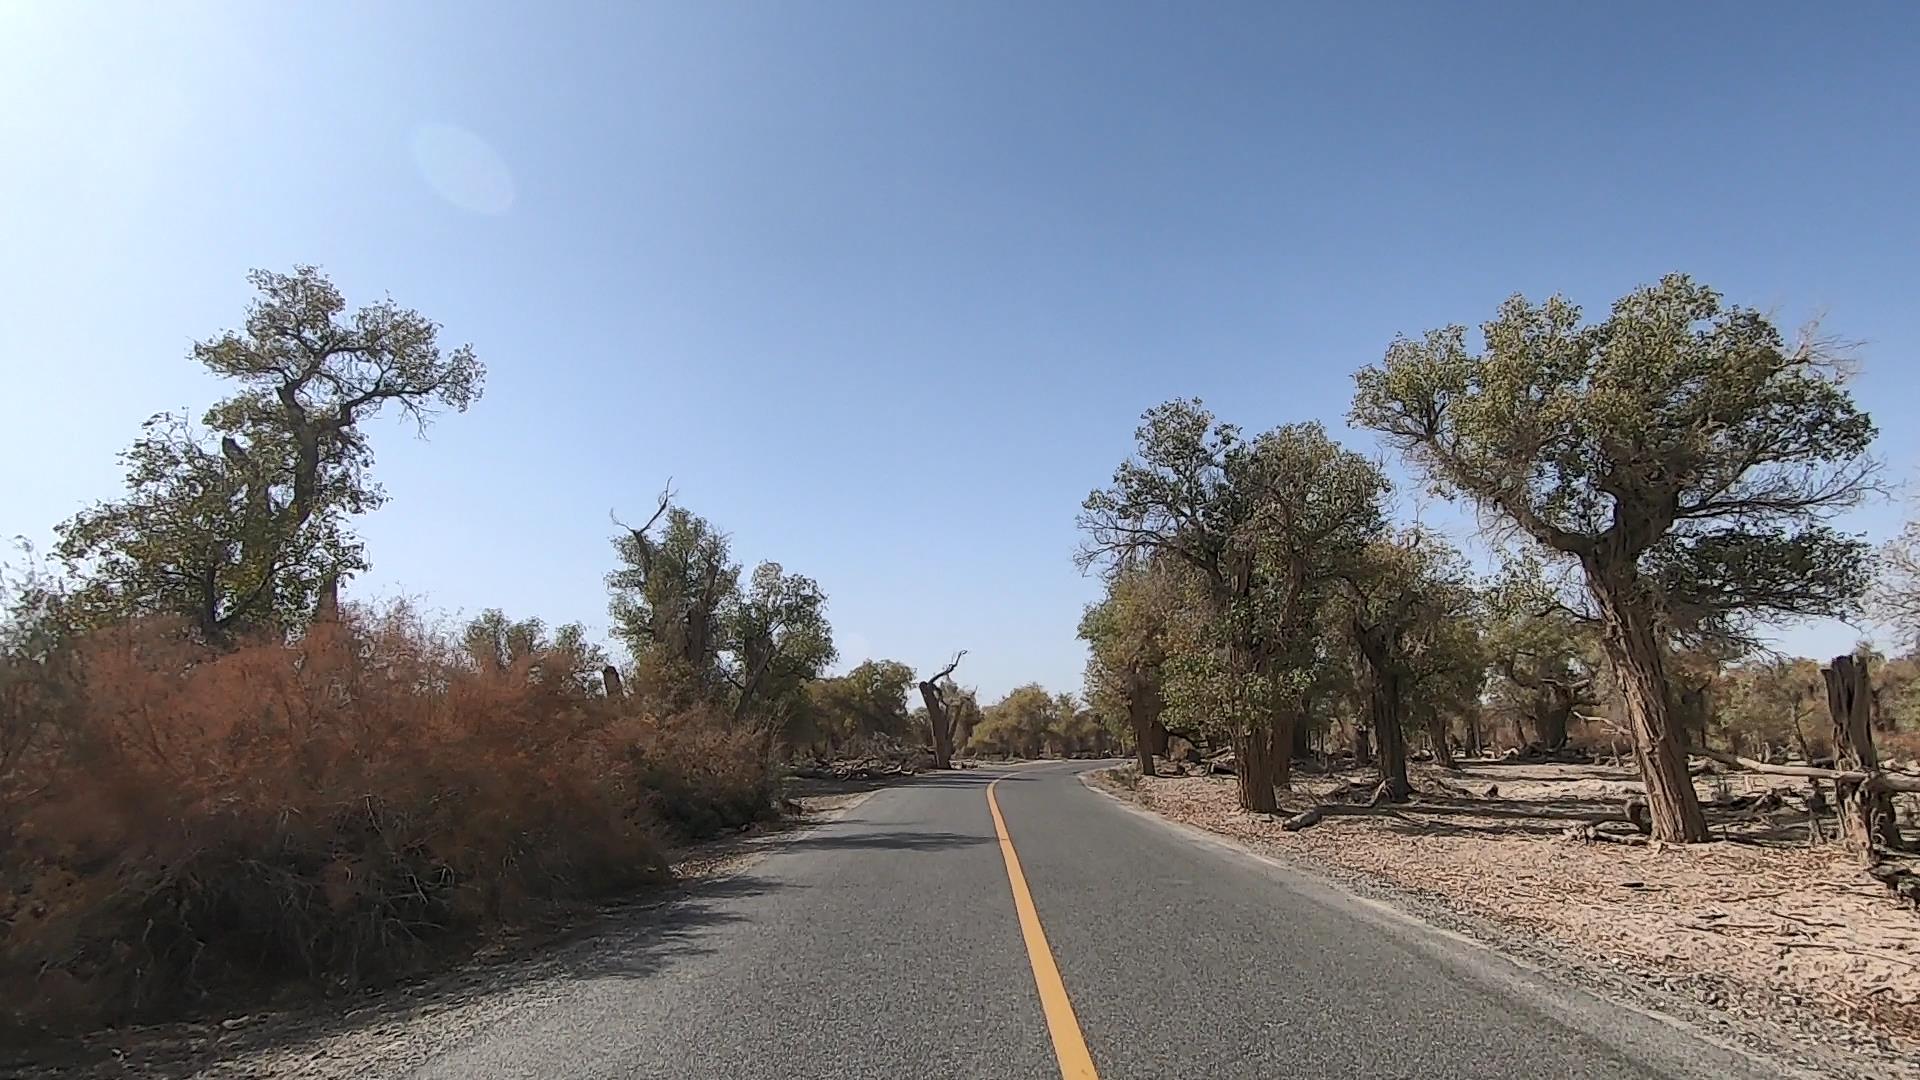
[[1261, 524], [242, 523], [1410, 609], [1543, 655], [1894, 600], [495, 642], [870, 700], [1679, 450], [777, 640], [1031, 723], [670, 595]]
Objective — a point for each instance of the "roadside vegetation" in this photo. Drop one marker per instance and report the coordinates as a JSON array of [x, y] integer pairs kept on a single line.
[[1654, 493], [217, 778]]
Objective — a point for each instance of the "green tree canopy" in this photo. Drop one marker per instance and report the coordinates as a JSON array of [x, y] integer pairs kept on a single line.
[[869, 700], [777, 639], [244, 522], [1261, 524], [670, 596], [495, 642], [1411, 614], [1679, 450], [1544, 655]]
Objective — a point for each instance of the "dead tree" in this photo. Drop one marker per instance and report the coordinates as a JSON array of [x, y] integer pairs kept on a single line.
[[939, 718], [1866, 806]]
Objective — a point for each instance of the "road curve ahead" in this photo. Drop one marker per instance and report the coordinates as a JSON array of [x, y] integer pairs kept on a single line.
[[908, 939]]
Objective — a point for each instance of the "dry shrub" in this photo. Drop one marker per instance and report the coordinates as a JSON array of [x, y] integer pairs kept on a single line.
[[341, 808], [1902, 746]]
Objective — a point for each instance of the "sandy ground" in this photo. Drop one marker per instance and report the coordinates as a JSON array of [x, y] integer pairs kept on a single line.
[[1751, 926]]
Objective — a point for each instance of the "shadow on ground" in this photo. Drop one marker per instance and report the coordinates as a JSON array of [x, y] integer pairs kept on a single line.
[[891, 840], [634, 939]]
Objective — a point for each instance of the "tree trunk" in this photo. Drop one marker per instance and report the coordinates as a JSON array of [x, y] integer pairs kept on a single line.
[[1143, 724], [1253, 768], [937, 720], [1437, 738], [1302, 739], [1639, 668], [1157, 736], [1866, 814], [1384, 705], [1473, 732], [1550, 723], [1800, 734], [1280, 747]]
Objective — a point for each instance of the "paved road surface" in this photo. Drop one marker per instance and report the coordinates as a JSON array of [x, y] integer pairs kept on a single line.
[[890, 944]]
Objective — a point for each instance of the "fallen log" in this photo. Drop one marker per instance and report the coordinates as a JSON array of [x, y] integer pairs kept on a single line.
[[1305, 819], [1876, 780], [1590, 834], [1314, 815]]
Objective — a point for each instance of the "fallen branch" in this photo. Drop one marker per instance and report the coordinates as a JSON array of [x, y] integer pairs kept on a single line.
[[1590, 834], [1877, 780], [1305, 819], [1890, 958]]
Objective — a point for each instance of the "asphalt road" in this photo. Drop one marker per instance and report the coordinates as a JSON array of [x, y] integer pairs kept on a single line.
[[890, 944]]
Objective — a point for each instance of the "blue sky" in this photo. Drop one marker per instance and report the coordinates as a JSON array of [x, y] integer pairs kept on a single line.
[[883, 286]]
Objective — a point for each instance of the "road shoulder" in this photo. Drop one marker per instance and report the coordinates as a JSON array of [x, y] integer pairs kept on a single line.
[[391, 1031], [1590, 992]]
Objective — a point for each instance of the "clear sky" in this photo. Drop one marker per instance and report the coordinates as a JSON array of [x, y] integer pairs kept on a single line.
[[883, 286]]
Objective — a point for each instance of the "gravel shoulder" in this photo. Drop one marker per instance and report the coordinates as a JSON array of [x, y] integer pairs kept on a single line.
[[1791, 952], [391, 1031]]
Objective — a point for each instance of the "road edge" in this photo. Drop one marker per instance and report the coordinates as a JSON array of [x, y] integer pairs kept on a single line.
[[1591, 1013]]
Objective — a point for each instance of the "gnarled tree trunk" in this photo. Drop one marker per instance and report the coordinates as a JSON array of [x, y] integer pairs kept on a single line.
[[1280, 744], [1550, 720], [1143, 712], [938, 716], [1157, 737], [1253, 768], [1639, 668], [940, 722], [1866, 813], [1383, 707], [1437, 739]]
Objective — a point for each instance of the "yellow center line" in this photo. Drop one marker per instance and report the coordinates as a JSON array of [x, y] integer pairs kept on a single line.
[[1069, 1045]]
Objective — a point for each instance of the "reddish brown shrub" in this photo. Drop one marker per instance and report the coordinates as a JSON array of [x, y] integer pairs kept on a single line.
[[341, 808]]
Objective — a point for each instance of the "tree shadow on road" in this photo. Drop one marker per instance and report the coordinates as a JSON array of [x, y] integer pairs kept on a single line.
[[633, 939], [903, 839], [967, 778]]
